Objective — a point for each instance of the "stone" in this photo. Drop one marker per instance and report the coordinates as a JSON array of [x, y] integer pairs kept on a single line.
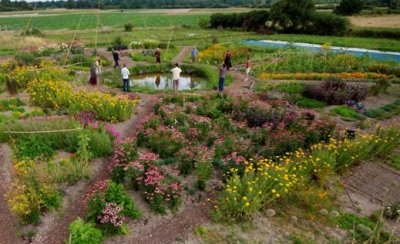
[[335, 214], [271, 213], [324, 212]]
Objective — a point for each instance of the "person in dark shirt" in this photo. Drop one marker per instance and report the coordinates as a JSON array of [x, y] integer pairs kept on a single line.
[[116, 59]]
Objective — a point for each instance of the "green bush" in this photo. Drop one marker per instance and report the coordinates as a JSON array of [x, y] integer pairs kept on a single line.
[[25, 58], [347, 112], [84, 233], [328, 24], [377, 33], [375, 112], [290, 87], [100, 143], [10, 104], [58, 140], [349, 7], [81, 60], [32, 32], [128, 27], [304, 102], [34, 147]]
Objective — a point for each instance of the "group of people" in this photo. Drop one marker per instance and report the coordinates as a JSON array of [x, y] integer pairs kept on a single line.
[[176, 71]]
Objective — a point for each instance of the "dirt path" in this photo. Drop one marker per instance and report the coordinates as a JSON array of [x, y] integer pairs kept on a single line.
[[8, 225], [180, 58], [240, 86]]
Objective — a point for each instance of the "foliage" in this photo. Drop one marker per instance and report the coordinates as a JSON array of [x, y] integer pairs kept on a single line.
[[349, 7], [250, 21], [335, 92], [346, 112], [290, 87], [128, 27], [25, 58], [100, 143], [109, 202], [33, 148], [29, 195], [292, 16], [377, 33], [32, 32], [82, 233], [20, 76], [328, 24], [71, 47], [68, 171], [215, 54], [268, 180], [60, 96], [81, 60], [322, 76], [10, 104], [380, 86], [67, 141], [309, 103]]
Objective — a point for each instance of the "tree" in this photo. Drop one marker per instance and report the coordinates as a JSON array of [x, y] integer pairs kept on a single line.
[[349, 7], [70, 4], [292, 15]]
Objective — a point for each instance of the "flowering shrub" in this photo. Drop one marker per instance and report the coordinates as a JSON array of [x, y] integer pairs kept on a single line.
[[20, 76], [72, 47], [267, 180], [30, 195], [158, 188], [108, 205], [322, 76], [215, 54], [111, 215], [165, 141], [59, 95]]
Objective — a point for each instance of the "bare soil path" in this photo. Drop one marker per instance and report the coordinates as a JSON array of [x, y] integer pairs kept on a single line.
[[8, 224], [180, 58]]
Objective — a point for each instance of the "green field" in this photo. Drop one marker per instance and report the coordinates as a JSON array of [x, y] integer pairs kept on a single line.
[[88, 20], [179, 27]]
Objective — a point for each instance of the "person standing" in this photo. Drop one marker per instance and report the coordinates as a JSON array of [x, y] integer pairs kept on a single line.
[[98, 66], [176, 73], [125, 77], [227, 60], [194, 54], [116, 59], [222, 73], [157, 54], [98, 69], [93, 75]]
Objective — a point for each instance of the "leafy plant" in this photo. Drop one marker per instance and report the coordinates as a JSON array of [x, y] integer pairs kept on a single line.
[[128, 27], [33, 147], [82, 233], [347, 112]]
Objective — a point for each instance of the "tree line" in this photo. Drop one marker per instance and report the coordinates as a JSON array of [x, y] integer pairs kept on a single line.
[[7, 5]]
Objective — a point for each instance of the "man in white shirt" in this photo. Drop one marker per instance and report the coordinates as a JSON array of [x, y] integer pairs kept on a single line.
[[176, 74], [125, 77]]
